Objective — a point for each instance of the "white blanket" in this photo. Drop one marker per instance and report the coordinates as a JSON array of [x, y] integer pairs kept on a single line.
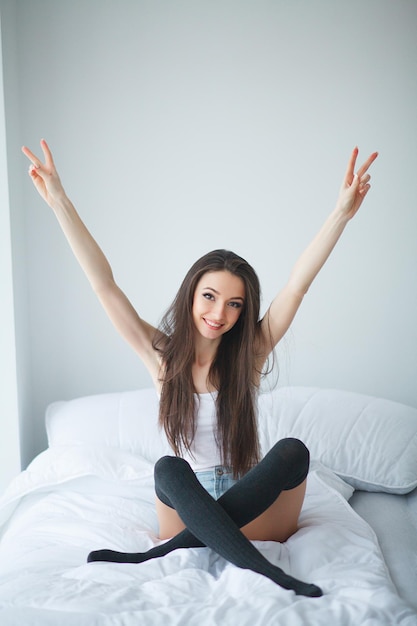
[[74, 499]]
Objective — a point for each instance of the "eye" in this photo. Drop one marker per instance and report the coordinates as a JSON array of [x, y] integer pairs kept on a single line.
[[236, 305], [208, 296]]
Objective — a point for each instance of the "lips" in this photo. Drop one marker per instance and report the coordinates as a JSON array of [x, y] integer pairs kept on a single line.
[[213, 325]]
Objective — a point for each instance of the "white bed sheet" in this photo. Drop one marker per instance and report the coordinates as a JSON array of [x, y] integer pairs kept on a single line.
[[74, 499]]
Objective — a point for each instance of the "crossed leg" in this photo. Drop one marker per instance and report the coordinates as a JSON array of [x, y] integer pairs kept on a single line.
[[251, 505]]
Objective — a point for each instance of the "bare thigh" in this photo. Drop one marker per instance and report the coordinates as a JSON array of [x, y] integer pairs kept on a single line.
[[280, 520], [277, 523], [170, 523]]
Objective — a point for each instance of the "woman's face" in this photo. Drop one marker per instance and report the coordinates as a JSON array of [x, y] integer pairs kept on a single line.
[[218, 302]]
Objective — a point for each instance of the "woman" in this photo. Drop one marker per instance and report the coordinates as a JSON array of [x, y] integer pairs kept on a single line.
[[206, 360]]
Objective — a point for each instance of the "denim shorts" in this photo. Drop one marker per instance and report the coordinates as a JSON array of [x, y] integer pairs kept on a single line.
[[216, 480]]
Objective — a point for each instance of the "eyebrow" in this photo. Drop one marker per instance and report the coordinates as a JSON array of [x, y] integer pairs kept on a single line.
[[218, 293]]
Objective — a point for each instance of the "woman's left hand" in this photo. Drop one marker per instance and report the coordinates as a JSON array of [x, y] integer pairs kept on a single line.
[[355, 186]]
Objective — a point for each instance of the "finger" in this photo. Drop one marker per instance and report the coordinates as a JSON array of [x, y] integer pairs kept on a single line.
[[367, 164], [350, 171], [354, 186], [49, 162], [364, 180], [33, 172], [32, 157], [364, 190]]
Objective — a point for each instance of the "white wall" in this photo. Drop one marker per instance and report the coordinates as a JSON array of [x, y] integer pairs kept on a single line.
[[9, 405], [179, 127]]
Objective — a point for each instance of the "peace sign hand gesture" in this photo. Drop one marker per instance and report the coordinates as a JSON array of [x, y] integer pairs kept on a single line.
[[354, 186], [44, 175]]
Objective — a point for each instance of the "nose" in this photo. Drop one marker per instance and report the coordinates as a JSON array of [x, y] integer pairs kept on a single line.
[[219, 311]]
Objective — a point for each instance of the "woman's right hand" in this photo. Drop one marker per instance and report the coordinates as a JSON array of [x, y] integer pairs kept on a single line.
[[44, 175]]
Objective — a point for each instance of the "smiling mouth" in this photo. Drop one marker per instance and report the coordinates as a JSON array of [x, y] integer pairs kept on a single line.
[[213, 325]]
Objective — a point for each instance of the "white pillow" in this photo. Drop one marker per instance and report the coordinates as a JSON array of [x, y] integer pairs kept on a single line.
[[369, 442], [127, 420]]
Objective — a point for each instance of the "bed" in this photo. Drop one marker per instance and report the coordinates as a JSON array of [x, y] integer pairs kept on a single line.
[[93, 488]]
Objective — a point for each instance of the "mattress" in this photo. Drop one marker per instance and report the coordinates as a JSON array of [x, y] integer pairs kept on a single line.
[[394, 521]]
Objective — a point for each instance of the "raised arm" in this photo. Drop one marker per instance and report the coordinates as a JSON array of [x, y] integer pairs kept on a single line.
[[284, 307], [91, 258]]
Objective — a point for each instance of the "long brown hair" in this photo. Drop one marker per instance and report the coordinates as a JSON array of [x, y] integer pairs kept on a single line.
[[232, 373]]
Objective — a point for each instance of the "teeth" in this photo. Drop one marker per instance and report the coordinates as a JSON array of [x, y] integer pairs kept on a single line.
[[213, 324]]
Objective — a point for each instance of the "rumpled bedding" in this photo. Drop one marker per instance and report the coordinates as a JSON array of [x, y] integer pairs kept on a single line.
[[74, 499]]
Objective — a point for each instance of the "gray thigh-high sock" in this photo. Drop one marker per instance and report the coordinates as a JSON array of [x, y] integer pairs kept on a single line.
[[216, 524]]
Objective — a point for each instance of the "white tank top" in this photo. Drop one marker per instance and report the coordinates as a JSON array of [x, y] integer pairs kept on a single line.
[[205, 453]]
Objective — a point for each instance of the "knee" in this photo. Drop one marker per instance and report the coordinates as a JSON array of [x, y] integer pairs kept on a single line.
[[163, 464], [296, 457], [169, 466], [169, 476], [295, 449]]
